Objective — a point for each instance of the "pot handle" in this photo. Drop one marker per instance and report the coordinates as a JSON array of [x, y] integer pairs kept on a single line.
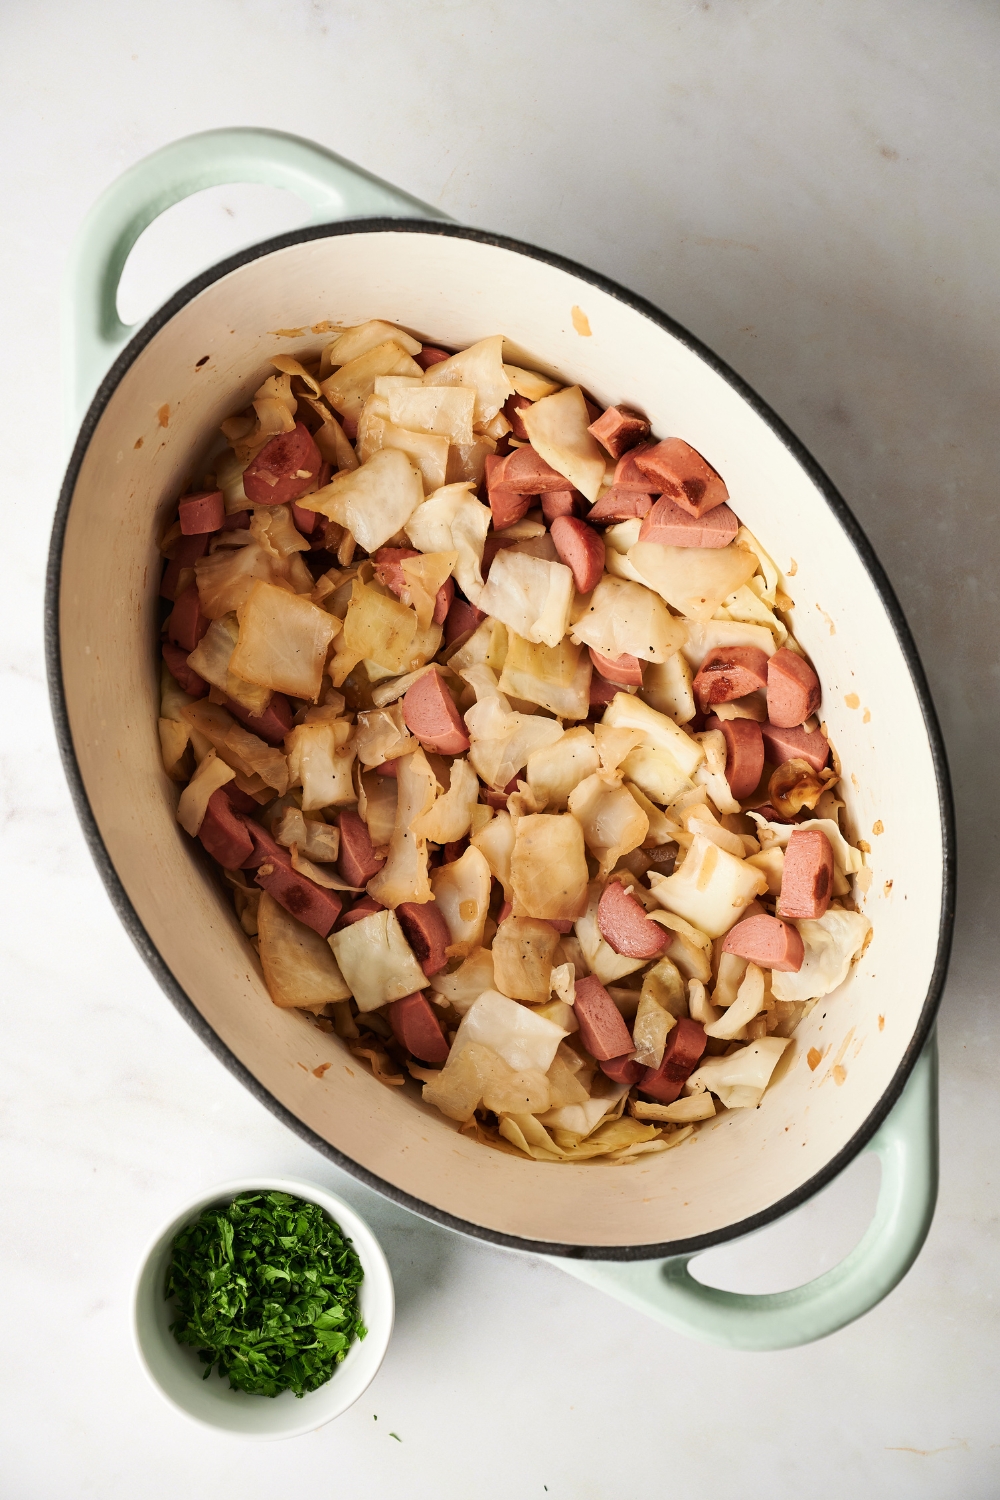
[[907, 1146], [333, 188]]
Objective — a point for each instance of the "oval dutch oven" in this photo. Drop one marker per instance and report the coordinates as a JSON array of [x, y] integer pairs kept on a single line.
[[374, 252]]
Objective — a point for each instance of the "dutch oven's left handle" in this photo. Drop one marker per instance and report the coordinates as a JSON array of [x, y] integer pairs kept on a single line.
[[906, 1145], [333, 188]]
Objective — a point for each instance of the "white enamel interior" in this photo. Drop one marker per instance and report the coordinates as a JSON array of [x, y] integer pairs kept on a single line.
[[454, 291]]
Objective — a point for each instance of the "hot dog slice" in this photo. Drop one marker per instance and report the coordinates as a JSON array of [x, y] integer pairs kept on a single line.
[[430, 356], [306, 521], [628, 475], [625, 926], [795, 744], [461, 620], [507, 507], [365, 906], [730, 672], [417, 1028], [563, 503], [744, 753], [680, 472], [622, 1069], [581, 548], [681, 1055], [186, 624], [311, 904], [284, 469], [602, 692], [671, 526], [625, 669], [272, 725], [357, 861], [176, 660], [512, 409], [389, 572], [620, 428], [201, 513], [793, 690], [240, 520], [617, 504], [602, 1029], [524, 472], [426, 931], [430, 713], [806, 875], [223, 834], [766, 941]]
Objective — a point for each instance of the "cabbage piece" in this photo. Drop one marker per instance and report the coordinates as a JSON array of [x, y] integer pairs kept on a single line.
[[661, 830], [531, 596], [496, 841], [628, 712], [700, 1008], [272, 527], [711, 774], [467, 461], [529, 383], [486, 647], [612, 821], [209, 776], [698, 819], [523, 950], [601, 959], [331, 439], [613, 746], [457, 1091], [452, 519], [511, 1091], [378, 628], [403, 877], [427, 452], [377, 802], [225, 577], [480, 368], [694, 580], [320, 761], [831, 942], [445, 411], [656, 773], [349, 389], [740, 1079], [229, 479], [374, 501], [691, 949], [847, 860], [317, 874], [424, 576], [650, 1030], [561, 1011], [514, 1032], [316, 840], [358, 340], [557, 429], [732, 1023], [682, 1111], [468, 981], [710, 889], [747, 606], [555, 677], [283, 642], [617, 542], [565, 1083], [450, 817], [664, 984], [502, 740], [376, 960], [627, 617], [556, 769], [462, 892], [548, 867], [174, 738], [212, 658], [382, 735], [583, 1118], [716, 634], [769, 580], [299, 968], [667, 687], [238, 747]]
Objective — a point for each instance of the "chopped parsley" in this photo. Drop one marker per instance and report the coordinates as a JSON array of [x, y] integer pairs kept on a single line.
[[267, 1290]]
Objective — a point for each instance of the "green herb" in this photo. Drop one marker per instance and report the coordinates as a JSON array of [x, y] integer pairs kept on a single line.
[[267, 1289]]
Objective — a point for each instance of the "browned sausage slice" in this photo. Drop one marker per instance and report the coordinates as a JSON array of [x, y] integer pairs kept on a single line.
[[524, 472], [795, 744], [625, 926], [806, 875], [357, 861], [201, 513], [365, 906], [581, 548], [512, 409], [183, 675], [679, 471], [223, 834], [306, 521], [622, 1069], [417, 1028], [620, 428], [272, 725], [628, 475], [186, 624], [462, 620], [681, 1055], [625, 669], [730, 672], [507, 507], [429, 712], [426, 931], [744, 754], [311, 904], [430, 356], [284, 469], [618, 504], [563, 503], [793, 690], [602, 1029], [671, 526], [768, 942]]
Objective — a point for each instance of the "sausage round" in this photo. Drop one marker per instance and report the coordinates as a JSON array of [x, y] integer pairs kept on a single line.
[[806, 875], [201, 513], [766, 941], [357, 861], [671, 526], [681, 1055], [602, 1028], [793, 690], [426, 931], [744, 754], [625, 927], [581, 548], [284, 469], [620, 428], [729, 672], [429, 713], [680, 472], [417, 1028], [795, 744], [626, 670]]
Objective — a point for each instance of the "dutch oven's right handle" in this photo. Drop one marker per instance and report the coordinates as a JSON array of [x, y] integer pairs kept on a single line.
[[333, 189], [907, 1146]]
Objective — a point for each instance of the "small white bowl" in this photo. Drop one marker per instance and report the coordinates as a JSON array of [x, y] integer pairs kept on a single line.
[[176, 1371]]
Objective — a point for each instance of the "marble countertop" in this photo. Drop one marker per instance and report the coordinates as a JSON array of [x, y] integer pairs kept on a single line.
[[813, 191]]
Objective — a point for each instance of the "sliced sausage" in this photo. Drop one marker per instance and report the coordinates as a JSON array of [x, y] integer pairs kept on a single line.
[[272, 725], [429, 712], [389, 572], [357, 861], [417, 1028], [766, 941], [186, 624], [622, 1069], [306, 521], [679, 471], [744, 754], [462, 620], [795, 744], [628, 475], [581, 548], [311, 904], [563, 503], [443, 601], [624, 924], [240, 520], [430, 356], [671, 526], [681, 1056], [185, 677], [507, 507], [602, 692], [620, 428], [730, 672], [365, 906], [618, 504], [602, 1029], [793, 690], [806, 875], [223, 834], [454, 851], [625, 670], [512, 409], [284, 469], [426, 931], [201, 513], [524, 472]]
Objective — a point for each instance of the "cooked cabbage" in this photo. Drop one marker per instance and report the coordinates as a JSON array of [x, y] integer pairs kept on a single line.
[[739, 1079], [612, 821], [618, 540], [721, 634], [225, 577], [480, 368], [210, 775], [656, 773], [467, 461], [174, 737], [349, 389], [212, 658], [379, 628], [502, 740], [667, 687], [238, 747], [353, 342], [555, 677], [382, 735], [521, 1037], [548, 868], [627, 617], [299, 967], [468, 981], [425, 451], [531, 596], [424, 576], [747, 606], [523, 950], [283, 642], [319, 841], [831, 942], [452, 519], [664, 984], [731, 1024], [628, 712], [710, 889], [583, 1118], [376, 960], [486, 647], [653, 1024], [320, 761], [711, 774], [450, 817], [377, 802], [557, 429], [601, 959], [462, 892], [556, 769], [529, 383], [374, 501], [694, 580], [445, 411], [496, 841], [403, 877]]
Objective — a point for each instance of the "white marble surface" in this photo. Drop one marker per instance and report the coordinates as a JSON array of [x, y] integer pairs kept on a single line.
[[813, 190]]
